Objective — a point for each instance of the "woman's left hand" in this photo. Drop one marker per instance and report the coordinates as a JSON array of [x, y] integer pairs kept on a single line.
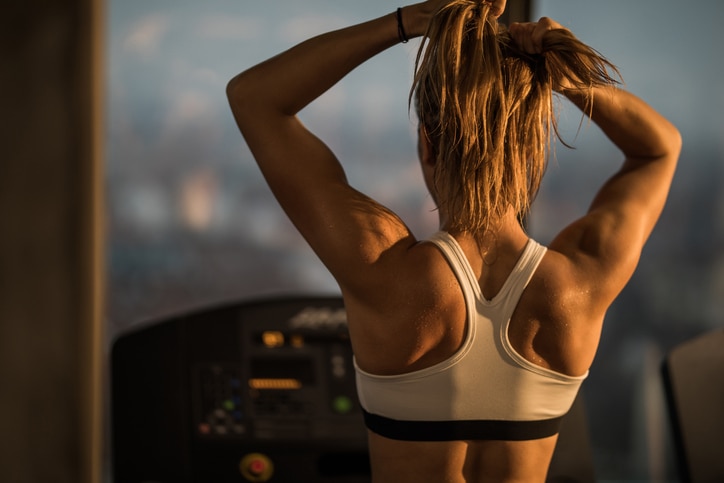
[[416, 17]]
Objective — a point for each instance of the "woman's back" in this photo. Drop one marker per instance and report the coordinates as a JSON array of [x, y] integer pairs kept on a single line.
[[533, 333], [427, 307], [457, 461], [460, 461]]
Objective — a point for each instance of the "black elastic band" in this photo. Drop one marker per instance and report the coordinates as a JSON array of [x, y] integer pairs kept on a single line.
[[400, 28], [461, 430]]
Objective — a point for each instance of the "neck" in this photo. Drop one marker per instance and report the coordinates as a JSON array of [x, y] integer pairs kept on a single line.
[[508, 229]]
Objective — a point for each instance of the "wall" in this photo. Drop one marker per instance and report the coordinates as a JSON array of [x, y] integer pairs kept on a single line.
[[50, 242]]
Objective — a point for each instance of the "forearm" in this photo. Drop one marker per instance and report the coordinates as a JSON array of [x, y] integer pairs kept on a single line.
[[289, 81], [630, 123]]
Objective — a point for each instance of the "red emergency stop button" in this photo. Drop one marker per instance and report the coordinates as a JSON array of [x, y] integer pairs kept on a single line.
[[256, 467]]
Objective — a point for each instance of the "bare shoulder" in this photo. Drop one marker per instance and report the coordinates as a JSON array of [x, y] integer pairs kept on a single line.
[[598, 255], [416, 317], [558, 320]]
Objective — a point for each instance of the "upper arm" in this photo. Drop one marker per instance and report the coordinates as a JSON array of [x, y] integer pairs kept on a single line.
[[604, 245], [349, 231]]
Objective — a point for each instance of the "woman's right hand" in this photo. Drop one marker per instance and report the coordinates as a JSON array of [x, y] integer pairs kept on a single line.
[[529, 35]]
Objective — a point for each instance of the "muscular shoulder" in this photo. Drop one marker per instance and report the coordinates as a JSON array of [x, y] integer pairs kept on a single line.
[[413, 317], [558, 320], [598, 255], [403, 278]]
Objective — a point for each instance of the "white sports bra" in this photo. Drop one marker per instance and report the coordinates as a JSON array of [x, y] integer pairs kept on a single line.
[[486, 390]]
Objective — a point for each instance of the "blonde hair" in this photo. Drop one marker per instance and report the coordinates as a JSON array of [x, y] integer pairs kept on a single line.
[[487, 109]]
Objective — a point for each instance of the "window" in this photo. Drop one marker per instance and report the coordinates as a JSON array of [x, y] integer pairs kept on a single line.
[[191, 222]]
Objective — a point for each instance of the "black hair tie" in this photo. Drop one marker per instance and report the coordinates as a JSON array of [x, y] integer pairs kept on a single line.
[[400, 28]]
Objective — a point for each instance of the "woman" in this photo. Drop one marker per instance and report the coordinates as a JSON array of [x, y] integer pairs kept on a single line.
[[471, 345]]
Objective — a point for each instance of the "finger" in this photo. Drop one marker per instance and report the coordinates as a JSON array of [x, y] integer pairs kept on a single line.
[[549, 23], [536, 37], [543, 26], [522, 34]]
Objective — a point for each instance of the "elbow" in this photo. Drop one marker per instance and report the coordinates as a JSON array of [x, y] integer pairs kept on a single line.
[[231, 88], [671, 142], [249, 99], [664, 146], [244, 98], [236, 94], [675, 141]]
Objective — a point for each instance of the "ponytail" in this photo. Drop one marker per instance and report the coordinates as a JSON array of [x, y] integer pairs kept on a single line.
[[487, 109]]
